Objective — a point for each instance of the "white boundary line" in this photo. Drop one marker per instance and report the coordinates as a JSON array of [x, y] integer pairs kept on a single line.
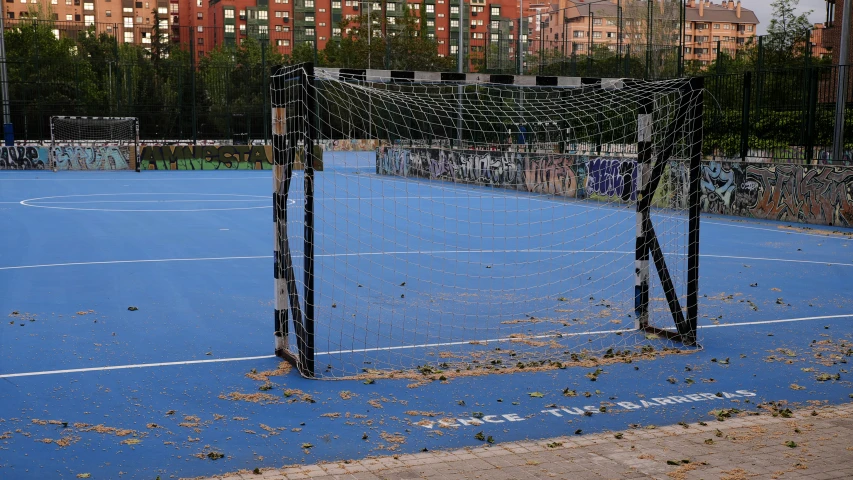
[[27, 202], [418, 252], [401, 347], [111, 262], [138, 365]]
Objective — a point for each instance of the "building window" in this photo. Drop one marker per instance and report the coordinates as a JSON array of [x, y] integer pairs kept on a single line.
[[577, 34], [309, 18], [125, 9], [229, 28], [128, 37], [596, 34], [336, 4], [727, 26], [200, 29], [749, 28], [68, 17], [285, 14], [391, 7], [174, 8], [88, 20], [162, 10], [88, 6], [496, 11], [336, 32], [201, 40], [262, 14], [109, 13], [496, 37], [264, 29], [495, 24], [596, 21], [309, 32], [242, 29], [454, 10], [716, 26], [229, 13], [454, 24], [128, 22], [611, 22], [430, 8], [478, 36], [309, 3]]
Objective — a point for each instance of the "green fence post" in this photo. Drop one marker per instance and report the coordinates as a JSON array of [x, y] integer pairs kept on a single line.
[[193, 81], [812, 115], [265, 87], [744, 129]]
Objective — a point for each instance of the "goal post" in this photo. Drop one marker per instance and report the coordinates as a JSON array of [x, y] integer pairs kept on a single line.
[[501, 222], [94, 143]]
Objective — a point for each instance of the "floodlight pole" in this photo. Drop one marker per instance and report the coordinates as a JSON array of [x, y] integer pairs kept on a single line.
[[841, 88], [8, 132]]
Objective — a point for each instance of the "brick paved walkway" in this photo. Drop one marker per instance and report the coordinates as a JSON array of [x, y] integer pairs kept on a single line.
[[806, 445]]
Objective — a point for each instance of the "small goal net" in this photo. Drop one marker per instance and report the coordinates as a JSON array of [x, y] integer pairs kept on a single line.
[[503, 222], [94, 143]]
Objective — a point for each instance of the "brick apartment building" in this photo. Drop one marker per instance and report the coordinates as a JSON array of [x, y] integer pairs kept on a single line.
[[208, 23], [831, 36], [582, 26]]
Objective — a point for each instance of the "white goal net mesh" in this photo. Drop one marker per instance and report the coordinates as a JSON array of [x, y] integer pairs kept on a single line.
[[493, 227]]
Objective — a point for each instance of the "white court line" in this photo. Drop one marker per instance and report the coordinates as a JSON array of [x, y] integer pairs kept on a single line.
[[111, 262], [186, 200], [418, 252], [770, 322], [138, 365], [114, 179], [401, 347]]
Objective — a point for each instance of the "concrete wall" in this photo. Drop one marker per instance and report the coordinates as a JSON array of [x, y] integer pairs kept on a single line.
[[815, 194]]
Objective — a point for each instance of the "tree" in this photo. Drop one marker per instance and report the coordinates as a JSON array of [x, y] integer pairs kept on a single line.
[[787, 33]]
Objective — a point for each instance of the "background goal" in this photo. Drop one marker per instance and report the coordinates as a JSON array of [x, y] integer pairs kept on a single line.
[[503, 221], [94, 143]]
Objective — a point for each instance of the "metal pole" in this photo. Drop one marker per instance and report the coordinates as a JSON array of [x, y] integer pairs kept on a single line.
[[8, 132], [459, 68], [520, 53], [841, 88], [459, 56]]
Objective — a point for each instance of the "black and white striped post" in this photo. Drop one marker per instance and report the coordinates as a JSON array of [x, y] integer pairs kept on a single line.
[[641, 257], [291, 107]]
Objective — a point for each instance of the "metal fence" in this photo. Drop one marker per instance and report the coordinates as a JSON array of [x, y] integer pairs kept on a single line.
[[764, 103]]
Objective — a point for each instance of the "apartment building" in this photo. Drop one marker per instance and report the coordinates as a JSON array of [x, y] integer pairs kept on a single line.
[[130, 21], [578, 27], [831, 35], [205, 24]]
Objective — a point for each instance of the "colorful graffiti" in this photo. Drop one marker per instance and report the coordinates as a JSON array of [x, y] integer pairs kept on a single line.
[[575, 176], [24, 157], [797, 193], [350, 145], [206, 157], [92, 158]]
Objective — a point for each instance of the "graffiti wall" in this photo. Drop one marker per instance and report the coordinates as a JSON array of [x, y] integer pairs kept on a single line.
[[795, 193], [24, 157], [36, 157], [350, 145], [574, 176], [206, 157], [92, 158]]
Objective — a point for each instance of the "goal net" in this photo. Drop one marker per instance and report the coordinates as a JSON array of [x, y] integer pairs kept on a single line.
[[504, 222], [94, 143]]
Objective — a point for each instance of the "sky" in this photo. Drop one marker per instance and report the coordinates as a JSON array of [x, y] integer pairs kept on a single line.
[[764, 12]]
